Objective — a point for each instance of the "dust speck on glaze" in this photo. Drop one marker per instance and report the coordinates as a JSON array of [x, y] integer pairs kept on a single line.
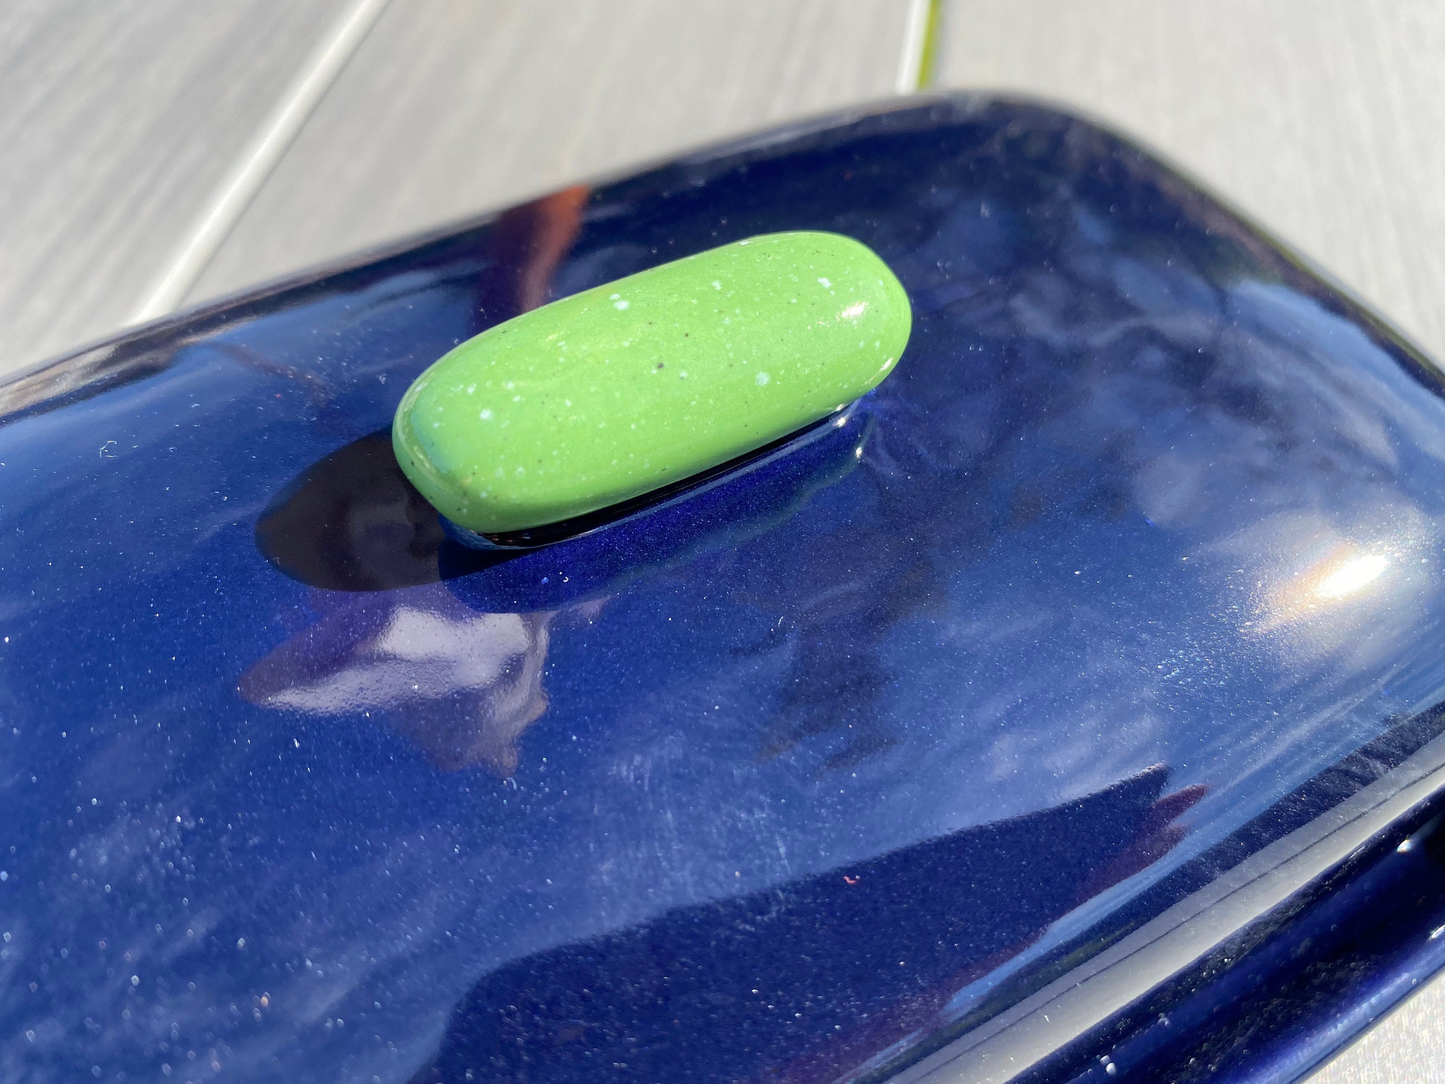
[[630, 386]]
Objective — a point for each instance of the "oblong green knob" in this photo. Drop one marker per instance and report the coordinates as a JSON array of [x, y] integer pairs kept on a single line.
[[612, 393]]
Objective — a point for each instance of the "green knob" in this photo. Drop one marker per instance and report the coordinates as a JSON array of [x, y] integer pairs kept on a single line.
[[626, 388]]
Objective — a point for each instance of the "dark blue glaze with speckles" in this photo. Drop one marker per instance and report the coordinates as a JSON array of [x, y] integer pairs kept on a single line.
[[1002, 702]]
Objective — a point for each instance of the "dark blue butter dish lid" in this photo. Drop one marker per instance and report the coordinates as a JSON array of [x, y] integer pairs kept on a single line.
[[1070, 706]]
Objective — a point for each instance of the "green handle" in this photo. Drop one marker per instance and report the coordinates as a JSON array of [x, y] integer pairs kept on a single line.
[[626, 388]]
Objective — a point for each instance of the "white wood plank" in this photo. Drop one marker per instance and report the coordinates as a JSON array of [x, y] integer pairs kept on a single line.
[[451, 107], [1321, 119], [1407, 1047], [116, 122]]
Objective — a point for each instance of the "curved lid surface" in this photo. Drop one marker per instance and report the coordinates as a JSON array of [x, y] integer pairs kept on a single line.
[[1080, 608]]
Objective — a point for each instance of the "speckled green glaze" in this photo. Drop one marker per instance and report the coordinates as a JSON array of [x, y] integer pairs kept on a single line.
[[623, 389]]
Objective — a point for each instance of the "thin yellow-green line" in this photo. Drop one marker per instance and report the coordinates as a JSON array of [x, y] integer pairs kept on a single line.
[[927, 64]]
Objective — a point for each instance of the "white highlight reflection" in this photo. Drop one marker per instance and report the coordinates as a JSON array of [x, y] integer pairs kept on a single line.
[[1345, 574], [1351, 588], [1354, 574]]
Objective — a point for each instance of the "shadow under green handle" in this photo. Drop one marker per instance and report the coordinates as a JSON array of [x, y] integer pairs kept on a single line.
[[629, 387]]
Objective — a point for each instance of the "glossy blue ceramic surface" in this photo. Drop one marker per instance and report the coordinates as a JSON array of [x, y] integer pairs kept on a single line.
[[1118, 597]]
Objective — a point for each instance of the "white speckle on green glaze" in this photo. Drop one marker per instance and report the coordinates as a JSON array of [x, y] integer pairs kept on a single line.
[[685, 382]]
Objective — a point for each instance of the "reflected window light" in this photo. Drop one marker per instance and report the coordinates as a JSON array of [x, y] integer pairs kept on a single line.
[[1352, 575]]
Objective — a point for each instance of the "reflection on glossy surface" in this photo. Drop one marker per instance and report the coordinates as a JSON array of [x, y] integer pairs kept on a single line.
[[754, 499], [352, 522], [747, 988], [299, 786], [1276, 1002], [463, 685]]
